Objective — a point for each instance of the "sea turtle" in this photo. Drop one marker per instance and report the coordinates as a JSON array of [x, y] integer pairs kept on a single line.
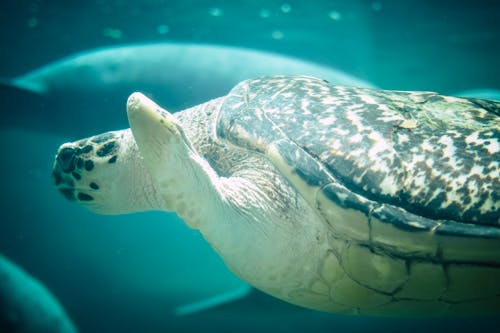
[[335, 198]]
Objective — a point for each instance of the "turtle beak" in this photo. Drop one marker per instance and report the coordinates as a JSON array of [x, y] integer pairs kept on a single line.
[[64, 164], [66, 158]]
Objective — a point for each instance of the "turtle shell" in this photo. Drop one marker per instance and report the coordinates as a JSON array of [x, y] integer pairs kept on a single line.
[[386, 164]]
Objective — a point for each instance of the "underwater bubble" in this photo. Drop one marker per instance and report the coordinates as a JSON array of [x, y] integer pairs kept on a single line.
[[277, 34], [335, 15], [216, 12], [264, 13], [286, 8], [163, 29], [33, 22], [112, 33], [376, 6]]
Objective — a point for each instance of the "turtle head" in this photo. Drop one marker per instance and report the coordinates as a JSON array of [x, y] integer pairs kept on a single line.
[[105, 173]]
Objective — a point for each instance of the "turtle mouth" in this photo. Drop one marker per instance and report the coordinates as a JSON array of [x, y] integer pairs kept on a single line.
[[67, 171], [63, 171], [66, 159]]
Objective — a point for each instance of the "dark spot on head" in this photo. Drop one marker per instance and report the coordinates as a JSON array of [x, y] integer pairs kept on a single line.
[[79, 163], [107, 149], [76, 175], [89, 165], [82, 143], [68, 193], [102, 138], [87, 149], [66, 159], [112, 159], [84, 197], [94, 186], [161, 121]]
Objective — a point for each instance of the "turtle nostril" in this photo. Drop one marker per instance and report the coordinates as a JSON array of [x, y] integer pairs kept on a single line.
[[66, 159]]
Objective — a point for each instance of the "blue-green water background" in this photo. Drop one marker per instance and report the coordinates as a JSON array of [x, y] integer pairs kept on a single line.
[[126, 274]]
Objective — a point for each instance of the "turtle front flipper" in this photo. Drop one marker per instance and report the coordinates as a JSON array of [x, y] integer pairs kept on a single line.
[[177, 169]]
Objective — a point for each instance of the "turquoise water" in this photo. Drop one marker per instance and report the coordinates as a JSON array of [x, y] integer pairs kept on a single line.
[[131, 273]]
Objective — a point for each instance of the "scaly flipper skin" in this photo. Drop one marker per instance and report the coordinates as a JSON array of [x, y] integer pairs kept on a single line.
[[339, 199], [170, 157]]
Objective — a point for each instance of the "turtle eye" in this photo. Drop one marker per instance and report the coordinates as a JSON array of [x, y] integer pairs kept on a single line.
[[66, 159]]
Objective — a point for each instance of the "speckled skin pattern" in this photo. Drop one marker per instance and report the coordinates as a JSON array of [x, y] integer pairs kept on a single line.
[[74, 160]]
